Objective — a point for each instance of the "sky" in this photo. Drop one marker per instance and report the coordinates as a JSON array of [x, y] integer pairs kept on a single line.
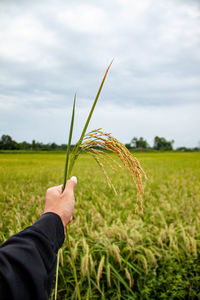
[[51, 49]]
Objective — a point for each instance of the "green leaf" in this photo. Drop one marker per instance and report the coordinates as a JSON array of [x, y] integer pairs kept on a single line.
[[69, 144], [119, 277], [76, 151]]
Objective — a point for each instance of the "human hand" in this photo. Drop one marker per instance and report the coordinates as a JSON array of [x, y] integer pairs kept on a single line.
[[61, 202]]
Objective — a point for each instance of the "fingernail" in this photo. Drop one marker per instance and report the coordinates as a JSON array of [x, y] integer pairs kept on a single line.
[[74, 179]]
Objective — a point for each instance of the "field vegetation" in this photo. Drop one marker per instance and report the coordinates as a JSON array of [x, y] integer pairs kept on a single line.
[[118, 253]]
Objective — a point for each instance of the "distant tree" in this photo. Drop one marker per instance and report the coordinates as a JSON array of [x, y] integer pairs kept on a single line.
[[128, 146], [33, 144], [25, 146], [134, 142], [63, 147], [139, 143], [183, 149], [7, 143], [54, 146], [39, 145], [160, 143]]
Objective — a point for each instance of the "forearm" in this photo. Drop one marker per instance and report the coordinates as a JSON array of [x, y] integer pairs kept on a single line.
[[28, 259]]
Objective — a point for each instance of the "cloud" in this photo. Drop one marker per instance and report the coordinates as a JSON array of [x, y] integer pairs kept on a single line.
[[83, 18], [51, 49]]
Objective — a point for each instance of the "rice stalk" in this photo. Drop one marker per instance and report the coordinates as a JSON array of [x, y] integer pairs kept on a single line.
[[69, 144], [70, 163], [120, 279], [100, 269], [75, 250], [91, 264], [105, 173], [108, 275], [141, 258], [85, 246], [84, 264], [76, 150], [85, 258], [128, 276], [57, 268], [115, 253], [105, 141]]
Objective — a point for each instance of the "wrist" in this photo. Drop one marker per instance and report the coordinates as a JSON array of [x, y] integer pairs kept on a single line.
[[60, 215], [51, 225]]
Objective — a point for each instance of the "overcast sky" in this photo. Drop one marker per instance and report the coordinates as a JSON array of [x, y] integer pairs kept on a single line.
[[51, 49]]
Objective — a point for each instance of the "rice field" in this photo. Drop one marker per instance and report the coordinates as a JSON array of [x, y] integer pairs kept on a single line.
[[118, 253]]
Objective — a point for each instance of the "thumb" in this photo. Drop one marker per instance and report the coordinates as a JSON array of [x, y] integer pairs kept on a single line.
[[71, 184]]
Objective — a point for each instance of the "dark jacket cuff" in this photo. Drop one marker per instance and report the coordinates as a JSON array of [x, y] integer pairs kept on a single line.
[[50, 225]]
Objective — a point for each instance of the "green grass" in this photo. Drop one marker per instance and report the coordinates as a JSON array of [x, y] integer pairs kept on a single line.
[[160, 251]]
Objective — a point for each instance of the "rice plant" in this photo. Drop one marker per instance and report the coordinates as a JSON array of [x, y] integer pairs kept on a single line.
[[106, 142]]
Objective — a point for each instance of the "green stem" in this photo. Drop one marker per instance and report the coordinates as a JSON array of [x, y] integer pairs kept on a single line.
[[57, 268], [69, 166], [73, 266], [69, 144]]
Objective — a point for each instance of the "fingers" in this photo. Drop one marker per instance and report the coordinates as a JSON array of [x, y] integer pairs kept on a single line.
[[74, 179], [71, 184], [59, 188]]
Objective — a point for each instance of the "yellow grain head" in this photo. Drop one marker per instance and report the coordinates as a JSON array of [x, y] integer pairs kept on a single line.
[[85, 246], [100, 269], [91, 264], [142, 260], [115, 253], [84, 264], [107, 142], [75, 250], [128, 276], [108, 275], [193, 244]]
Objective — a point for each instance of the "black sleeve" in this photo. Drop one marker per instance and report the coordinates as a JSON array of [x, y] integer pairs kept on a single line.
[[28, 260]]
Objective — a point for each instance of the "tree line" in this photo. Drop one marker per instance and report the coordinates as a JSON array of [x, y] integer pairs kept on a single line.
[[7, 143], [160, 143], [139, 144]]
